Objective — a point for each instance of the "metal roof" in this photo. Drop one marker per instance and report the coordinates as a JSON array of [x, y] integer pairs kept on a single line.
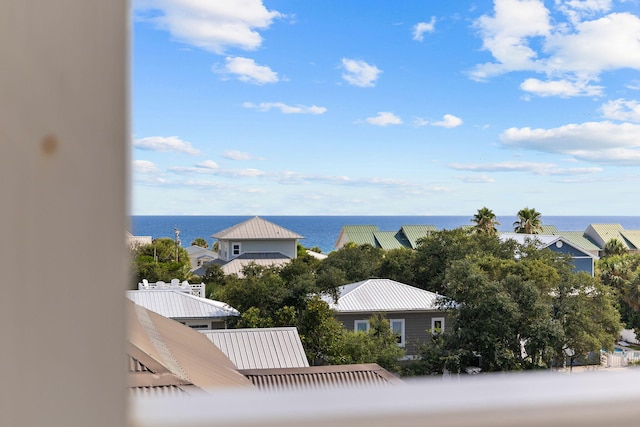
[[377, 295], [265, 259], [180, 305], [387, 240], [602, 233], [260, 348], [321, 377], [579, 239], [544, 240], [632, 237], [415, 232], [256, 229], [359, 234], [168, 357]]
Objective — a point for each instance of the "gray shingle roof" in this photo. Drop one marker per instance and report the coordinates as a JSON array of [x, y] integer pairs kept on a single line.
[[180, 305], [256, 229], [379, 295], [260, 348]]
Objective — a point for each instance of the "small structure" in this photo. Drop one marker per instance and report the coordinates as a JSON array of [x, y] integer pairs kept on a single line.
[[137, 241], [190, 310], [413, 313], [260, 348], [200, 256]]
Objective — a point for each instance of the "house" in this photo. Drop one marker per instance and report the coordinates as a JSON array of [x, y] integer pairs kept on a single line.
[[135, 241], [602, 233], [193, 311], [413, 313], [260, 348], [406, 237], [199, 256], [166, 358], [256, 241], [582, 259]]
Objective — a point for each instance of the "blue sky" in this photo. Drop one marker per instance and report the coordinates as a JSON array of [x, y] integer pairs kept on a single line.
[[249, 107]]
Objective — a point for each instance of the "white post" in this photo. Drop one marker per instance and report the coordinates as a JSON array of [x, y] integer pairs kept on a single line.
[[63, 186]]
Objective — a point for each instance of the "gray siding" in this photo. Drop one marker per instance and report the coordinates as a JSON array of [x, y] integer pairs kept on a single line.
[[416, 325]]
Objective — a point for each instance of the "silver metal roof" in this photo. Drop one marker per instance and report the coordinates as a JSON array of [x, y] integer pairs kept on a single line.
[[256, 229], [260, 348], [265, 259], [375, 295], [180, 305]]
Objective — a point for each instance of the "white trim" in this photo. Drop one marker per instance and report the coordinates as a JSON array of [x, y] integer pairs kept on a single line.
[[233, 249], [433, 324], [402, 341], [361, 322]]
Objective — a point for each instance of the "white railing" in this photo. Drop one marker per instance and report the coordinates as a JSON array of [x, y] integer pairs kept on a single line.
[[197, 289], [620, 359]]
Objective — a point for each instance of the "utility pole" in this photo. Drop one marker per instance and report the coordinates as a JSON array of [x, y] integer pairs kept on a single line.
[[177, 233]]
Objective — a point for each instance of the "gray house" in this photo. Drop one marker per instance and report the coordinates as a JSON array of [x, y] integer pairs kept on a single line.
[[413, 313]]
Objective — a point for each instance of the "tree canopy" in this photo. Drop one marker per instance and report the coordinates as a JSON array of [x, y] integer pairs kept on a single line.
[[529, 221], [485, 221]]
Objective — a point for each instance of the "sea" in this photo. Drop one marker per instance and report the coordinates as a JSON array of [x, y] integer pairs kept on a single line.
[[323, 231]]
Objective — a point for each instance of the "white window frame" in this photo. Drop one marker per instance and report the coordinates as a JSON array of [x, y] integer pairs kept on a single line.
[[233, 249], [433, 324], [361, 322], [401, 343]]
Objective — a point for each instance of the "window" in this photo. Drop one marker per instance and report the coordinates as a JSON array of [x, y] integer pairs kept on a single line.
[[437, 325], [235, 248], [397, 327], [361, 326]]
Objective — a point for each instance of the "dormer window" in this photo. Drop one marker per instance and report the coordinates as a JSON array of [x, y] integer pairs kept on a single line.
[[235, 249]]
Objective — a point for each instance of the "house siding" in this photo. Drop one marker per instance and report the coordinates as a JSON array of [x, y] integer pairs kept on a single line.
[[416, 325], [286, 247]]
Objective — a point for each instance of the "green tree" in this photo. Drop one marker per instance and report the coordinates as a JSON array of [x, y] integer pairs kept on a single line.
[[485, 221], [157, 262], [397, 264], [357, 262], [199, 241], [621, 273], [614, 247], [529, 221]]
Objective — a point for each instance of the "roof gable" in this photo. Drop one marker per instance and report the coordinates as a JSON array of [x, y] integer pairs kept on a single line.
[[415, 232], [379, 295], [256, 228]]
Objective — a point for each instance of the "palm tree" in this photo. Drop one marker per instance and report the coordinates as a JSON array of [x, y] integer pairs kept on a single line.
[[614, 247], [528, 221], [485, 221]]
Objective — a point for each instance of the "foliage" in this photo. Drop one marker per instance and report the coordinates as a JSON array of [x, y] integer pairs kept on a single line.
[[157, 262], [357, 262], [529, 221], [621, 273], [485, 221], [398, 265], [199, 241], [614, 247]]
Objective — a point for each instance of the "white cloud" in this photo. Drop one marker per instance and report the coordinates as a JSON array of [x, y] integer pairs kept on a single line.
[[622, 109], [521, 37], [384, 118], [423, 27], [506, 35], [562, 88], [476, 179], [286, 109], [239, 155], [248, 71], [145, 167], [532, 167], [599, 142], [449, 121], [208, 164], [210, 25], [165, 144], [359, 73]]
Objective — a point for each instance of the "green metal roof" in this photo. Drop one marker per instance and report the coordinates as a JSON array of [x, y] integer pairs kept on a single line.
[[602, 233], [549, 229], [632, 237], [387, 240], [414, 232], [360, 234]]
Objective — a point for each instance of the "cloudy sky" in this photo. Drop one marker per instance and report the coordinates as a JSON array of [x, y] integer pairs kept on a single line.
[[284, 107]]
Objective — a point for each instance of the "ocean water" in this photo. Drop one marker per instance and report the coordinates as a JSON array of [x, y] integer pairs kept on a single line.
[[323, 231]]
